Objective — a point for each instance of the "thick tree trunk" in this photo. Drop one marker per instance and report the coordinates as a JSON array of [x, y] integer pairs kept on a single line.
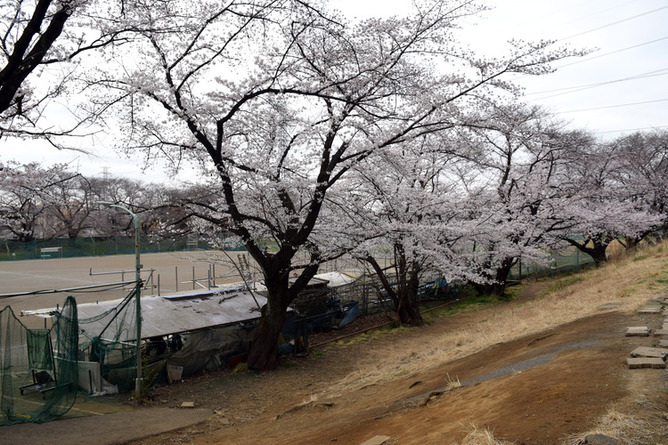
[[498, 286], [263, 354], [408, 309], [599, 245], [404, 294], [598, 253]]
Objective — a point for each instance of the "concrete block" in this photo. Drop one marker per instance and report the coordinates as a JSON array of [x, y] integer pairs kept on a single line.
[[377, 440], [653, 309], [659, 332], [637, 331], [644, 351], [645, 362]]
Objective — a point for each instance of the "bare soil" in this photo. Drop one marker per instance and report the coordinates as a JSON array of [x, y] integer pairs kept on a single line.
[[541, 389]]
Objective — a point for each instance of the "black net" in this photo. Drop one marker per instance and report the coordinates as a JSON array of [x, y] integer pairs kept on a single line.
[[38, 367], [110, 340]]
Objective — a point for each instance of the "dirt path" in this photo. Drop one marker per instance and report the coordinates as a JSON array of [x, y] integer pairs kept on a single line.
[[535, 390]]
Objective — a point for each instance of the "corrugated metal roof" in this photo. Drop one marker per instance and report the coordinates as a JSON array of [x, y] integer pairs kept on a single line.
[[190, 311], [184, 312]]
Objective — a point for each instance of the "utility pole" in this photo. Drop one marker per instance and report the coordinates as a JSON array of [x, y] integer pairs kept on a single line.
[[138, 284]]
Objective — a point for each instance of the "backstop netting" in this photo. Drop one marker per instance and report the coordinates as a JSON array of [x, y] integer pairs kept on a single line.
[[110, 339], [38, 367]]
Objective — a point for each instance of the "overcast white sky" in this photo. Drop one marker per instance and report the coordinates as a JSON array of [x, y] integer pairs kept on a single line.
[[617, 89]]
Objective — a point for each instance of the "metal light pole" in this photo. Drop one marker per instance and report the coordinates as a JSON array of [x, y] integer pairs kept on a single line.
[[138, 282]]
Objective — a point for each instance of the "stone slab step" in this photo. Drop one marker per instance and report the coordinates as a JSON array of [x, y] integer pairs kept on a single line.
[[659, 332], [644, 351], [653, 309], [637, 331], [645, 362], [663, 343]]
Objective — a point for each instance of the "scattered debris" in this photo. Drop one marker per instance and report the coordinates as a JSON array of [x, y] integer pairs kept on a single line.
[[311, 403], [600, 439], [536, 340], [377, 440]]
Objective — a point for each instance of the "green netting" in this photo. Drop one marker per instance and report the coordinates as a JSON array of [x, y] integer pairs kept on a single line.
[[110, 340], [38, 368]]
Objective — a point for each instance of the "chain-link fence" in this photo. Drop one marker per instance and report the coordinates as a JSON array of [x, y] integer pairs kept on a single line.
[[565, 261], [90, 246]]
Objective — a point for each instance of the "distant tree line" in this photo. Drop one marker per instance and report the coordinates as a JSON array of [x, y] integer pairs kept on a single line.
[[40, 202]]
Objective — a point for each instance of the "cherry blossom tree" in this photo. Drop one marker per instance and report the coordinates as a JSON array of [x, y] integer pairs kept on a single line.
[[43, 202], [20, 199], [415, 208], [42, 34], [522, 189], [67, 201], [279, 100], [644, 175], [606, 209]]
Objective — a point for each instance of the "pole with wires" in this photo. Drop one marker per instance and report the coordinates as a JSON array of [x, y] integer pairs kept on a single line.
[[138, 285]]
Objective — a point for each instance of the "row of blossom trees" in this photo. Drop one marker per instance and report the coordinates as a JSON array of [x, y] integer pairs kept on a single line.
[[468, 202], [46, 202], [327, 136]]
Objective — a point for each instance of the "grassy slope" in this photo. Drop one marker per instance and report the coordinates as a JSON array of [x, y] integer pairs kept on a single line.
[[628, 282]]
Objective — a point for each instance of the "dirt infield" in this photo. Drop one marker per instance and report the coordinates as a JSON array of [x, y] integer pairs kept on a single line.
[[61, 273]]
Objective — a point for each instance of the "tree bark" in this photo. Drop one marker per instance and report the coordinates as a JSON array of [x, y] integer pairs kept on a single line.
[[498, 286], [263, 354], [409, 306], [599, 244], [20, 64], [404, 294]]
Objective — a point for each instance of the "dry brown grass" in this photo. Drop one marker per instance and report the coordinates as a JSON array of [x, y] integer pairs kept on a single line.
[[481, 436], [629, 429], [629, 282]]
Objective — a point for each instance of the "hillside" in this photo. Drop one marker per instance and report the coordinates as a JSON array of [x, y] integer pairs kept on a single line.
[[548, 367]]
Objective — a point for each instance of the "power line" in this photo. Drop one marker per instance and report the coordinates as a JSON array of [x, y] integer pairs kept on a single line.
[[633, 129], [612, 52], [612, 106], [576, 89], [614, 23]]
